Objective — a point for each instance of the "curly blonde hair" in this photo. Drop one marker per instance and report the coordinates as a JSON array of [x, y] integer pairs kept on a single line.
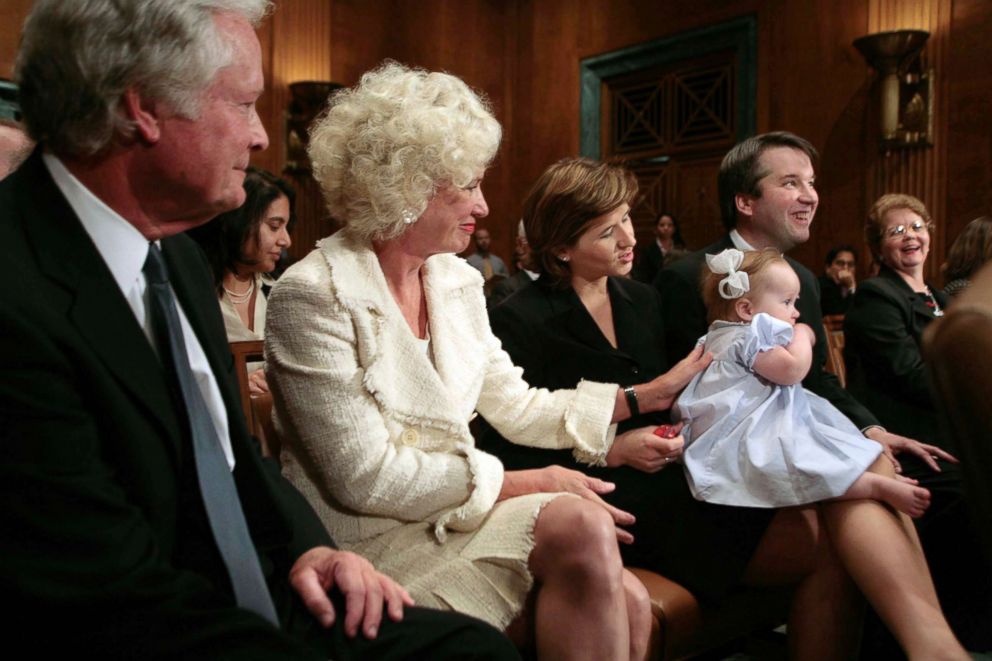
[[382, 148]]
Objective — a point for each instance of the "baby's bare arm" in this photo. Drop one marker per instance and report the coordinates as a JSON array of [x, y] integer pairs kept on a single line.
[[789, 364]]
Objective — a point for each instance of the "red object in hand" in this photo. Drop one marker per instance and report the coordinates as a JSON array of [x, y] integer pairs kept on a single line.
[[665, 431]]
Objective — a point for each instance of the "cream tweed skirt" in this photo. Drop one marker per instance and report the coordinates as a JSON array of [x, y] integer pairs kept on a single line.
[[482, 573]]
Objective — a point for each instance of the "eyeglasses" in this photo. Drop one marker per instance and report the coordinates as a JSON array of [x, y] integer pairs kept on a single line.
[[918, 227]]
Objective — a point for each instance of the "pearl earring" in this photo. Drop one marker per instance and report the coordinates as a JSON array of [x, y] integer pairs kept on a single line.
[[409, 217]]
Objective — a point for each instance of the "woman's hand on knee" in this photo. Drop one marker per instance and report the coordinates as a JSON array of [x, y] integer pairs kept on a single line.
[[644, 450], [557, 479]]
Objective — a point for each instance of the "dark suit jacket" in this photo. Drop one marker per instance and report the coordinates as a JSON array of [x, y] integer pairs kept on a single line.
[[832, 301], [685, 322], [506, 288], [105, 543], [549, 333], [883, 334]]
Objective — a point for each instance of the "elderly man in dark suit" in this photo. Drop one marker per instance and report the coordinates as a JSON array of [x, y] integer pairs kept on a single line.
[[137, 519], [768, 199]]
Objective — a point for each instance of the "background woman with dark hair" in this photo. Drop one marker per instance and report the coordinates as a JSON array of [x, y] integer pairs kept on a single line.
[[969, 252], [242, 246], [667, 243]]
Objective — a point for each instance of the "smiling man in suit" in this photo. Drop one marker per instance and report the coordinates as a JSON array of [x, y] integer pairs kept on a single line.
[[137, 518]]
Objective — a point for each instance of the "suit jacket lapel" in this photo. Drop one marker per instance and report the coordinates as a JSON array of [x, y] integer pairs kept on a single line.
[[626, 323], [573, 319], [98, 309], [922, 314]]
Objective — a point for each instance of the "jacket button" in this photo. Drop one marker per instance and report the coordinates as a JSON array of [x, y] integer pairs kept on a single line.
[[634, 370], [409, 437]]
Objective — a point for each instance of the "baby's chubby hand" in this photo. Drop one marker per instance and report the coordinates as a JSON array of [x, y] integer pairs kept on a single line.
[[804, 329]]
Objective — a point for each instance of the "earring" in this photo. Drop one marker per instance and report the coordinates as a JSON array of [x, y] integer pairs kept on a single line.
[[409, 217], [564, 258]]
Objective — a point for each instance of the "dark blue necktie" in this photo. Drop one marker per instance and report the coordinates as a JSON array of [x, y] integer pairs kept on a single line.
[[220, 496]]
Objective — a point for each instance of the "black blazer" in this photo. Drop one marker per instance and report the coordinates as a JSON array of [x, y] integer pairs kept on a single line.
[[685, 322], [883, 335], [549, 333], [105, 543], [832, 301]]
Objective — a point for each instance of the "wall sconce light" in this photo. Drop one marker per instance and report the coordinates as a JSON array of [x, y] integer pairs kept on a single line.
[[906, 90], [307, 99]]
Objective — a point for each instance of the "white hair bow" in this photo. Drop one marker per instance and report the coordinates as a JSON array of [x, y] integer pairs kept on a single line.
[[736, 284]]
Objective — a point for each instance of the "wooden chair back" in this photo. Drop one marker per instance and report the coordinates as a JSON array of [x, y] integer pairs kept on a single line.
[[258, 408], [833, 325]]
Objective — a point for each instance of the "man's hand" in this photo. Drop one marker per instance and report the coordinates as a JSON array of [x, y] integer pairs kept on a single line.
[[365, 590], [645, 450], [893, 444]]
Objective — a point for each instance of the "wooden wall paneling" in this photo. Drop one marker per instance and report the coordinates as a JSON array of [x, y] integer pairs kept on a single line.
[[968, 78], [296, 46], [815, 83], [12, 15], [921, 172]]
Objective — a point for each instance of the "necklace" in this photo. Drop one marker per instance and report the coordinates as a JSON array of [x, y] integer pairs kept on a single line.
[[933, 305], [237, 298]]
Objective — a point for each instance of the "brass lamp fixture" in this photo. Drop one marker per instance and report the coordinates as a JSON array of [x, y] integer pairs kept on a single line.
[[307, 99], [906, 90]]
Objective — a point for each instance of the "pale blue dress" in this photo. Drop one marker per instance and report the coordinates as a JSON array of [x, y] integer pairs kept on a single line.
[[754, 443]]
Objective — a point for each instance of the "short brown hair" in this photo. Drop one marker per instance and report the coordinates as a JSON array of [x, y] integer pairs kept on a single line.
[[875, 227], [563, 201], [740, 169], [723, 309], [970, 250]]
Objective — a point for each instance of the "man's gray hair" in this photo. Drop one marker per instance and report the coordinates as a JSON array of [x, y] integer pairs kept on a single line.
[[78, 57]]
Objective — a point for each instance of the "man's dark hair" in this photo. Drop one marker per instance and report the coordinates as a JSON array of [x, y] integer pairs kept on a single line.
[[836, 250], [740, 173]]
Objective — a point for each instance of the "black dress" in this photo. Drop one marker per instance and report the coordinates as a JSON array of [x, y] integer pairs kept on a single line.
[[551, 335]]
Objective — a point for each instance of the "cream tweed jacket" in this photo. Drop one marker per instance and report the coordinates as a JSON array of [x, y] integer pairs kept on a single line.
[[374, 434]]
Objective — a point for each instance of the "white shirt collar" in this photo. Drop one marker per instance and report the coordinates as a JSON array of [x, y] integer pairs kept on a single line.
[[739, 241], [122, 247]]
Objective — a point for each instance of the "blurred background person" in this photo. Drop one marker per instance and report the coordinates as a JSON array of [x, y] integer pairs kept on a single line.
[[969, 252], [243, 246], [654, 255], [488, 264], [524, 275], [838, 282]]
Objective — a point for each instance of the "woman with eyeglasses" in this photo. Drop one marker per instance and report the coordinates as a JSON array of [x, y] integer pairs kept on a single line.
[[883, 329]]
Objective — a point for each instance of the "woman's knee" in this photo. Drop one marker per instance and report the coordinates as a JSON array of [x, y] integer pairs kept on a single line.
[[575, 532], [791, 548]]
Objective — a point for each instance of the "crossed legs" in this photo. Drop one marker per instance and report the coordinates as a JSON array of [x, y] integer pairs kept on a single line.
[[823, 549], [585, 605]]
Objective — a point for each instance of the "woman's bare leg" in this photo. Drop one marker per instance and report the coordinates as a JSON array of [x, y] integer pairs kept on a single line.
[[580, 609], [638, 616], [826, 611], [880, 550]]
